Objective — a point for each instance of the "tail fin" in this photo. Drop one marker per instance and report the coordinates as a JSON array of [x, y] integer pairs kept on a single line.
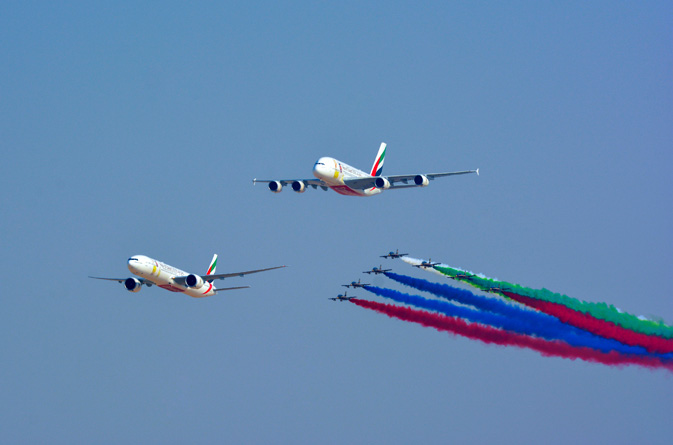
[[377, 168], [213, 266]]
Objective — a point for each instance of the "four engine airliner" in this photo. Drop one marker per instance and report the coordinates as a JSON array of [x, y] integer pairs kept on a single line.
[[168, 277], [346, 180]]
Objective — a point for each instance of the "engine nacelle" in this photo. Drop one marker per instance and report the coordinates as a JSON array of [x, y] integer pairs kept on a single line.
[[275, 186], [132, 284], [382, 183], [193, 281], [421, 180], [299, 186]]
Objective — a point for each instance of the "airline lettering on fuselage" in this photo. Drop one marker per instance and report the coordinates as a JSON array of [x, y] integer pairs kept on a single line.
[[351, 171], [170, 269]]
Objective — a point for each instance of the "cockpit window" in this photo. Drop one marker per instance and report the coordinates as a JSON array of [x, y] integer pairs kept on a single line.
[[319, 163], [133, 259]]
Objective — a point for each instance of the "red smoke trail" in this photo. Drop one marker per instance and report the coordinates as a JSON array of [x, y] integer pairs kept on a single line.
[[607, 329], [496, 336]]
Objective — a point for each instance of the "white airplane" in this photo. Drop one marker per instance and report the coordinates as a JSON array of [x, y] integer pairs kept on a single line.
[[168, 277], [346, 180]]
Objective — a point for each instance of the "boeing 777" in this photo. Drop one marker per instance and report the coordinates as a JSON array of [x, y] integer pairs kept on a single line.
[[346, 180], [168, 277]]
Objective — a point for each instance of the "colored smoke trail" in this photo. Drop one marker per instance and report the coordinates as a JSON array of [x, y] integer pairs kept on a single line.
[[601, 311], [461, 295], [496, 336], [602, 328], [521, 321], [652, 343]]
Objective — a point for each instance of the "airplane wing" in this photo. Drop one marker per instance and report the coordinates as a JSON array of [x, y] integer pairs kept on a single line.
[[230, 288], [315, 183], [222, 276], [147, 283], [400, 181]]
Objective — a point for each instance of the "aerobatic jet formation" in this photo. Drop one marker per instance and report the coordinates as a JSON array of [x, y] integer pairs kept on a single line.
[[333, 174], [153, 272]]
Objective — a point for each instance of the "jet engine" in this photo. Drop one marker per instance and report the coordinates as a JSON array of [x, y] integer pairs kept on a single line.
[[421, 180], [299, 186], [275, 186], [194, 281], [132, 284], [382, 183]]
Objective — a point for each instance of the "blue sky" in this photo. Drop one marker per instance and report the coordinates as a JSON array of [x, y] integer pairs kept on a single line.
[[137, 129]]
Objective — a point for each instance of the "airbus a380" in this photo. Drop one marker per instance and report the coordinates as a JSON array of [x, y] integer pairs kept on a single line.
[[346, 180], [170, 278]]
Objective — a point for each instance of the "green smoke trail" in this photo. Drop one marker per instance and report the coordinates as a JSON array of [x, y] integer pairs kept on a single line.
[[599, 310]]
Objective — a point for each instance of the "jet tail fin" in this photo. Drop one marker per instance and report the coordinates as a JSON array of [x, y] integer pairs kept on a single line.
[[377, 168], [213, 266]]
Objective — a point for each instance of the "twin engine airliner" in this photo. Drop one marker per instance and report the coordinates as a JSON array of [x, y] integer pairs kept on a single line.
[[346, 180], [168, 277]]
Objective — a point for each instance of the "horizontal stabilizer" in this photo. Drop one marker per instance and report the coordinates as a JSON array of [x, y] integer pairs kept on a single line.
[[231, 288]]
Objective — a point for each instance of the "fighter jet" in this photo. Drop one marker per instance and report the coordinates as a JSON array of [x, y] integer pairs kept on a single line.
[[377, 270], [461, 276], [355, 284], [395, 254], [428, 263], [342, 297], [497, 289]]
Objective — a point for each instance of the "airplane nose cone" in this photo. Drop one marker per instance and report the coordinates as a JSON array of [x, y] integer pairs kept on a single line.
[[133, 264], [320, 169]]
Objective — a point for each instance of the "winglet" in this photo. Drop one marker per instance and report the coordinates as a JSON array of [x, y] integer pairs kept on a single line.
[[477, 172]]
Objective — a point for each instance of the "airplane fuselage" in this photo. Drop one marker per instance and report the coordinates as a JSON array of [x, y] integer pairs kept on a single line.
[[162, 275], [333, 172]]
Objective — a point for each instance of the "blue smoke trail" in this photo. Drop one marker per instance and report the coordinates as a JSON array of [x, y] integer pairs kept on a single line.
[[463, 296], [527, 322]]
